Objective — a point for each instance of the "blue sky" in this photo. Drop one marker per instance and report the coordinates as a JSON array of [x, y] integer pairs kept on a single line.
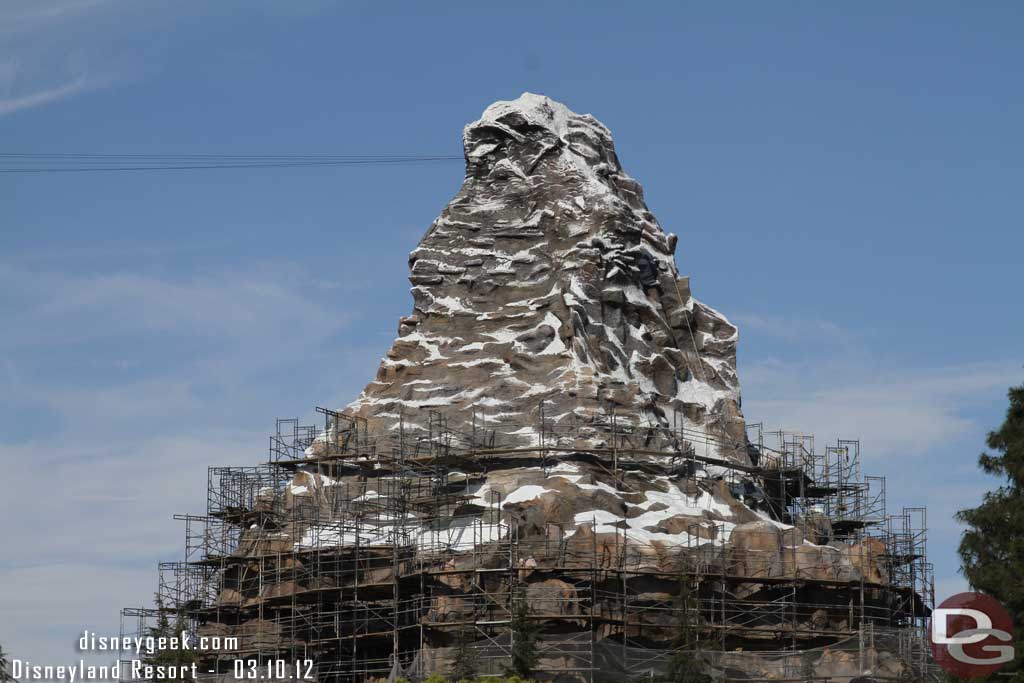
[[845, 181]]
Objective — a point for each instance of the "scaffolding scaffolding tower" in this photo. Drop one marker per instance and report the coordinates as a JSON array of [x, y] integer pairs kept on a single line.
[[366, 554]]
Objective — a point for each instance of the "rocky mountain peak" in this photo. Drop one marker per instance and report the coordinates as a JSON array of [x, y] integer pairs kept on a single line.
[[580, 143], [548, 282]]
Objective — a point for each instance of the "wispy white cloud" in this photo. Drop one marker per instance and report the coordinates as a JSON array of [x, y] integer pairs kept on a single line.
[[791, 328], [52, 604], [230, 305], [38, 98], [46, 53], [831, 383], [94, 518], [901, 412], [72, 492], [21, 16], [71, 254], [113, 457]]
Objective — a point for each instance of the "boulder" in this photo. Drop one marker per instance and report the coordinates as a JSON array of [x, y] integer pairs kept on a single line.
[[553, 597], [868, 558], [755, 550]]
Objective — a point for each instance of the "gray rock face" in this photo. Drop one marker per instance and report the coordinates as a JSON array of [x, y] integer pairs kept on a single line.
[[548, 280]]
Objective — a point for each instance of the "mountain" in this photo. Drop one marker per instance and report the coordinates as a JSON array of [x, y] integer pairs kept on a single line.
[[553, 450], [548, 282]]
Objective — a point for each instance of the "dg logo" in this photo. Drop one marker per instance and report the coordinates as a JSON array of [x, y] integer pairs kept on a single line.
[[971, 635]]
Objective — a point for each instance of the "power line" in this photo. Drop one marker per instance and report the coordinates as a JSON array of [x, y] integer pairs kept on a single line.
[[80, 155], [12, 162]]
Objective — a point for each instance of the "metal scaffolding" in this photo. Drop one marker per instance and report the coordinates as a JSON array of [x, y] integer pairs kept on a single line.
[[369, 554]]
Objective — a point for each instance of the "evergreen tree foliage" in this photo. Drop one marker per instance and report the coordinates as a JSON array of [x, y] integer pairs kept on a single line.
[[992, 547], [464, 668], [524, 639], [687, 663], [164, 628]]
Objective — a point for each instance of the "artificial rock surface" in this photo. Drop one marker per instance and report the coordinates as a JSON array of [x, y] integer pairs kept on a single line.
[[547, 279]]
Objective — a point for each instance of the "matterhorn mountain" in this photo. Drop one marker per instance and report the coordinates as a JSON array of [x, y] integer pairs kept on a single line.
[[548, 282], [550, 471]]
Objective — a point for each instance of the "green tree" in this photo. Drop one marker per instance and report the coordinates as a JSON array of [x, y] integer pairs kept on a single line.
[[992, 547], [524, 637], [464, 666], [687, 663], [170, 656]]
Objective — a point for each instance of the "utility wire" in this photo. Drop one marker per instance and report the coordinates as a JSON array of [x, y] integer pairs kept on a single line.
[[11, 162], [36, 155]]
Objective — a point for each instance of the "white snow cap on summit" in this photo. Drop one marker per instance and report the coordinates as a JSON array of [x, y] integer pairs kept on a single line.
[[581, 142], [537, 110]]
